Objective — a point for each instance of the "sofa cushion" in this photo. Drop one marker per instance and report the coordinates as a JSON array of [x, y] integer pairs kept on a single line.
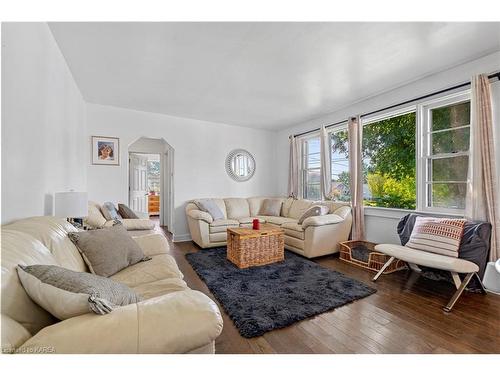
[[126, 212], [298, 207], [294, 230], [285, 207], [107, 251], [133, 224], [254, 205], [109, 211], [314, 210], [222, 225], [271, 207], [277, 220], [210, 206], [65, 293], [162, 266], [249, 220], [437, 235], [95, 218], [160, 287], [236, 208]]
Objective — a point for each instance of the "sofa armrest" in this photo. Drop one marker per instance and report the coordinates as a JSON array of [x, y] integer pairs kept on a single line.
[[153, 244], [316, 221], [173, 323], [200, 215]]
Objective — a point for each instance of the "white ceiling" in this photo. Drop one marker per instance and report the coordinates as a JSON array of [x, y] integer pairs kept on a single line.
[[263, 75]]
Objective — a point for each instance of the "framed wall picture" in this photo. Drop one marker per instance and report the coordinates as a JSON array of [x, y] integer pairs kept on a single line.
[[105, 150]]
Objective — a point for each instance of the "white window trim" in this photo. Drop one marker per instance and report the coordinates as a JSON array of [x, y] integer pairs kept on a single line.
[[424, 148]]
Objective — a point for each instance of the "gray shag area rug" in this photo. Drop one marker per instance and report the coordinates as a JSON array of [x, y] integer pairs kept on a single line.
[[260, 299]]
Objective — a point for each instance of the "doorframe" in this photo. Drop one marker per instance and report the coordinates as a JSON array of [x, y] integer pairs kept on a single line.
[[166, 181]]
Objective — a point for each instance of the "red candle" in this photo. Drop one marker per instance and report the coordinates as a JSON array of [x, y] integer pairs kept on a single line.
[[256, 224]]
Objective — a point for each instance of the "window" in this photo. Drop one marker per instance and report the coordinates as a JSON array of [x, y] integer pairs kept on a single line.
[[389, 161], [311, 168], [415, 158], [445, 159], [340, 165]]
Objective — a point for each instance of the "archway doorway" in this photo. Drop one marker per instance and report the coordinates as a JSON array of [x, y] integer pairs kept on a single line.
[[151, 179]]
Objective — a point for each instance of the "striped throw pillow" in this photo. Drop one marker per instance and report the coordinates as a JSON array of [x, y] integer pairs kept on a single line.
[[437, 235]]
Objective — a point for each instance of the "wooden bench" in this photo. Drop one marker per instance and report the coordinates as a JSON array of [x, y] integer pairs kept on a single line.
[[415, 258]]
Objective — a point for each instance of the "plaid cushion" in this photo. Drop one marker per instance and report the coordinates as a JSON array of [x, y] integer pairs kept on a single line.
[[437, 235]]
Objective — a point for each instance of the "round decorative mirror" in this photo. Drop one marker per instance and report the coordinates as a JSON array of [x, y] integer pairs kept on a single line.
[[240, 165]]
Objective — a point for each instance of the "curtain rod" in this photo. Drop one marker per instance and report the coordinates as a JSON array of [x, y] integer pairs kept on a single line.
[[494, 75]]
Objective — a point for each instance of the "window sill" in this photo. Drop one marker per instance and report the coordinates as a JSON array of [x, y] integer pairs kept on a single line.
[[398, 213]]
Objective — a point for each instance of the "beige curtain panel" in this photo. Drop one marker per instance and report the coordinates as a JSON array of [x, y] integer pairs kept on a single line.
[[326, 165], [482, 201], [355, 135], [293, 169]]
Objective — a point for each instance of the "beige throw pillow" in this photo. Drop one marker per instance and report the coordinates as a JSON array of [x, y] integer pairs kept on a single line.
[[271, 207], [437, 235], [107, 251], [316, 210]]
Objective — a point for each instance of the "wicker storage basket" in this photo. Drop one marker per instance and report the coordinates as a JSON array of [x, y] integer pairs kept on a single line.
[[372, 261], [247, 247]]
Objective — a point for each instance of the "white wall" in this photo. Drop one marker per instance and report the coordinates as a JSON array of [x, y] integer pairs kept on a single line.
[[381, 223], [43, 123], [200, 149]]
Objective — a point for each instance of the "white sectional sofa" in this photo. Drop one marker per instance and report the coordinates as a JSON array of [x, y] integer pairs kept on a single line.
[[172, 318], [316, 236]]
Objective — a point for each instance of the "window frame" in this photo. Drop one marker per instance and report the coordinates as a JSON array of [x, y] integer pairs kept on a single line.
[[424, 119], [304, 167]]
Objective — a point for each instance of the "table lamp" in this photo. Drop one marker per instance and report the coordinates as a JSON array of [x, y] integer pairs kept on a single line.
[[72, 205]]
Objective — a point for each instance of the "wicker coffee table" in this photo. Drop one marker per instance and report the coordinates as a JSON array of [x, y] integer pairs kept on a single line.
[[247, 247]]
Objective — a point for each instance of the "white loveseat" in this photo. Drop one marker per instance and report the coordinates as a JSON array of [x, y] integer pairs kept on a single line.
[[316, 236], [171, 319]]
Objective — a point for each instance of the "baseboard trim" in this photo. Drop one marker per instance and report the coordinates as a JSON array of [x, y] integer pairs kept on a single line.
[[181, 237]]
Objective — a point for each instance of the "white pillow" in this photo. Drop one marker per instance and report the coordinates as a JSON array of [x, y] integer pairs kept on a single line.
[[315, 210]]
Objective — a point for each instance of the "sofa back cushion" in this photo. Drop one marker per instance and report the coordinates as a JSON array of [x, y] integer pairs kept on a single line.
[[285, 207], [22, 248], [237, 208], [52, 232], [254, 204], [334, 206], [211, 207], [298, 207], [271, 207], [95, 218]]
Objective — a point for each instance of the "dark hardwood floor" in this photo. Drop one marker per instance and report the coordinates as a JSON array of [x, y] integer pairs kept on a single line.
[[404, 316]]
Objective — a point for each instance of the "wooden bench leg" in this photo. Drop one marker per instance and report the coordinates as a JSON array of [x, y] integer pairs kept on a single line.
[[459, 291], [387, 264], [483, 289]]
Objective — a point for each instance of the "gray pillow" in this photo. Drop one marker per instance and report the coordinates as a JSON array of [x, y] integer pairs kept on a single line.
[[65, 293], [109, 211], [109, 250], [209, 205], [316, 210], [271, 207], [126, 212]]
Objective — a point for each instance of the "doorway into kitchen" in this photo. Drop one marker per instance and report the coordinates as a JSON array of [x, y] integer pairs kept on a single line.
[[150, 180]]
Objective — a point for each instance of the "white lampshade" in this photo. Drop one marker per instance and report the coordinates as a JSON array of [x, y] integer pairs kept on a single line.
[[71, 204]]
